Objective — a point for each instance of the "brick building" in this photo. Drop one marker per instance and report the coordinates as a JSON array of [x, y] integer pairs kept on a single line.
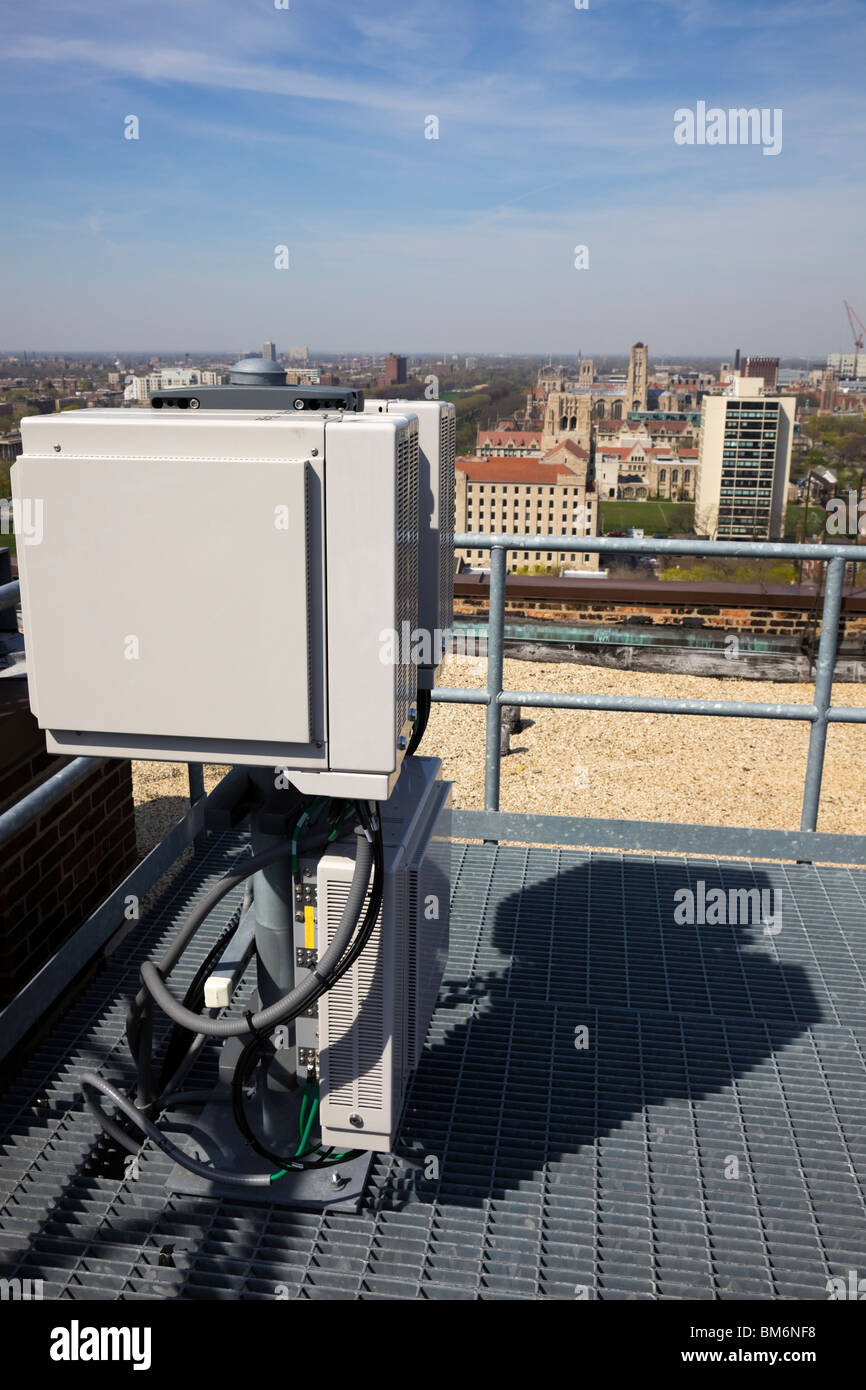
[[551, 496], [508, 443], [395, 370]]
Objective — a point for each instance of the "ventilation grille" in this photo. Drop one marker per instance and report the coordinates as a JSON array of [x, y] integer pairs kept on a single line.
[[352, 1045], [402, 1031], [407, 572], [427, 942], [411, 976], [447, 455]]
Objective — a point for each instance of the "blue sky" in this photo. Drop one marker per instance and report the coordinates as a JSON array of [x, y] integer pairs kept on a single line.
[[305, 127]]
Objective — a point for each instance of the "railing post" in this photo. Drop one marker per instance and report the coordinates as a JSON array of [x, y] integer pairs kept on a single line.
[[823, 691], [495, 630], [195, 773]]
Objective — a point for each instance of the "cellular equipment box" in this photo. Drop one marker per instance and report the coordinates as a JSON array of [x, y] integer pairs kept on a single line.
[[224, 586]]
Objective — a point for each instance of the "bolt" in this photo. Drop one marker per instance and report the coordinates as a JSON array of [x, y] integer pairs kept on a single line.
[[57, 448], [356, 1121], [338, 1179], [315, 453]]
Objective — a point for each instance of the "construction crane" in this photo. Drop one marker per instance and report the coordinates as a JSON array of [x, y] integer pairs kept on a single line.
[[857, 335]]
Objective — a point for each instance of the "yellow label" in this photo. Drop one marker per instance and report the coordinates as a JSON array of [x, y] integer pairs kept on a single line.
[[309, 929]]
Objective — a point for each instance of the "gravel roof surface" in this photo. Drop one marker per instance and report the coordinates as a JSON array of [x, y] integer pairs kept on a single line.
[[715, 771]]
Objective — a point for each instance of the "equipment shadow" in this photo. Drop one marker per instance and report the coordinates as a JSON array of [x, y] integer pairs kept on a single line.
[[591, 1007]]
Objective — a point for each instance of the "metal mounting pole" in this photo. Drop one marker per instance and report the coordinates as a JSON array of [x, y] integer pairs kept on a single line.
[[823, 691], [495, 639], [273, 906]]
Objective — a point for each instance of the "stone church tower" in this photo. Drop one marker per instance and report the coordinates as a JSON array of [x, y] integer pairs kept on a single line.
[[572, 406], [568, 415], [637, 378]]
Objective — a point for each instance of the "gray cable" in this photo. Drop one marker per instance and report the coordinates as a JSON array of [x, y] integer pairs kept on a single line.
[[214, 895], [293, 1002], [198, 1043], [91, 1083]]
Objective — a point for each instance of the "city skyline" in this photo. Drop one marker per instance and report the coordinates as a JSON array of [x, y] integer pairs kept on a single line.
[[229, 355], [306, 129]]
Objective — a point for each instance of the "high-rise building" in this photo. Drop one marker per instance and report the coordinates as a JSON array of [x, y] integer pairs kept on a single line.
[[849, 366], [765, 368], [297, 354], [269, 352], [745, 463], [395, 370]]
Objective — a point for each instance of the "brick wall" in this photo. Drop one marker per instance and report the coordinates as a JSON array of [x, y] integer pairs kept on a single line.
[[546, 601], [763, 621], [59, 868]]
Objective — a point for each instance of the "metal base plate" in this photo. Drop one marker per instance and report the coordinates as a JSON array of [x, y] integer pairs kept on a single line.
[[212, 1136]]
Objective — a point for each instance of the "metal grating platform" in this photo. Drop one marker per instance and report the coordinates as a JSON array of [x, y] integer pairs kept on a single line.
[[708, 1142]]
